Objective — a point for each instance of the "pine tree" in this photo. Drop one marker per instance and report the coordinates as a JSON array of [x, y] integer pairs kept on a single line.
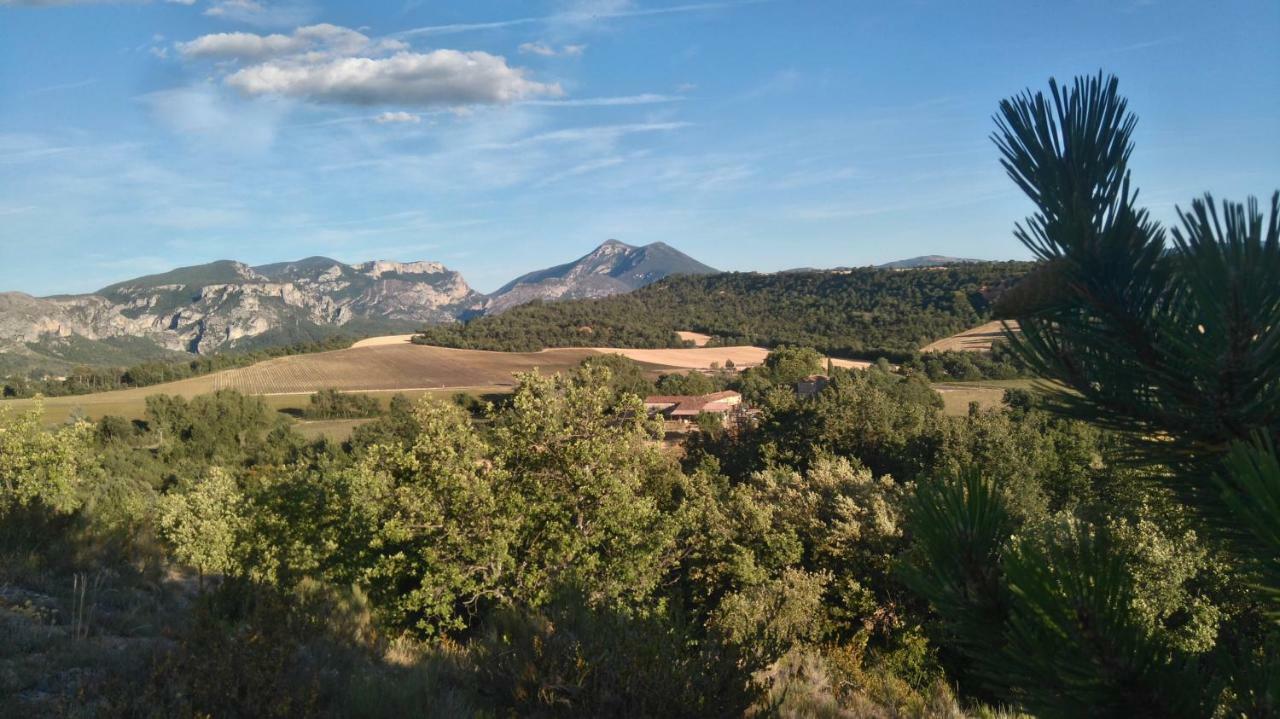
[[1172, 341]]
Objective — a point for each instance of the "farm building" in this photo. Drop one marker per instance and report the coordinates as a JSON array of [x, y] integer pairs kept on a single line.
[[685, 408]]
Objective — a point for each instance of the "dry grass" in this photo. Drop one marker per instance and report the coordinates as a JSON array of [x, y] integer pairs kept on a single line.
[[703, 357], [384, 341], [336, 430], [977, 339], [395, 367], [989, 394], [697, 338]]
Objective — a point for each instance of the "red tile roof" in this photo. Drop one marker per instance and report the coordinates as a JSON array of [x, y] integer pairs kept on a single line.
[[689, 406]]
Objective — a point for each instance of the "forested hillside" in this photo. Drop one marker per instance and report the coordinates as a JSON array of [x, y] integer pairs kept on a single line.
[[861, 313]]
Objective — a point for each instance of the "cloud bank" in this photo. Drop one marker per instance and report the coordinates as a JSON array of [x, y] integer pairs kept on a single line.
[[329, 64]]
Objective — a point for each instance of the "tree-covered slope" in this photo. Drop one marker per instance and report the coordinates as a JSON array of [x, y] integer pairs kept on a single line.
[[856, 313]]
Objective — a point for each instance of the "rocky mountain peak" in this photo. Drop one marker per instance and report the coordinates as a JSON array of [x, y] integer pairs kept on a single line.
[[377, 268], [611, 268]]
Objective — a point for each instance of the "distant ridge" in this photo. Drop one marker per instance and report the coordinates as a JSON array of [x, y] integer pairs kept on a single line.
[[923, 261], [227, 305], [612, 268], [927, 261]]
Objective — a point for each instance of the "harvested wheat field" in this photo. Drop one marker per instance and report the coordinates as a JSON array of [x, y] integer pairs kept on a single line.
[[393, 366], [383, 341], [697, 338], [703, 357], [977, 339]]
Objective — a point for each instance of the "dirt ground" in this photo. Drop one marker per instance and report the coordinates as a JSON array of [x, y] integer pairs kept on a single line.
[[703, 357]]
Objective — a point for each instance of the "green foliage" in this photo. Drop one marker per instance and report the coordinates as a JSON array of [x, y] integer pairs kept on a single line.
[[1173, 348], [398, 425], [220, 428], [575, 659], [886, 421], [39, 468], [769, 618], [438, 540], [1250, 494], [1000, 363], [201, 524], [626, 376], [690, 384], [332, 404], [961, 529], [1184, 335], [788, 365], [585, 474], [1073, 643]]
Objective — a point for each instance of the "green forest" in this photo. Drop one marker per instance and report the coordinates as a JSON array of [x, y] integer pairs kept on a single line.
[[861, 313], [1104, 545]]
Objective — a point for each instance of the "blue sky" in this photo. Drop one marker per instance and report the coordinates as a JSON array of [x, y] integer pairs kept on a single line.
[[499, 136]]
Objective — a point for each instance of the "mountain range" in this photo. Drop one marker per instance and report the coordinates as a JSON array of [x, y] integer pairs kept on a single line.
[[926, 261], [230, 305]]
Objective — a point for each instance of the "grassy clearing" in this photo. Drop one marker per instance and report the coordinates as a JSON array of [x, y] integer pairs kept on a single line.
[[956, 396], [977, 339], [336, 430]]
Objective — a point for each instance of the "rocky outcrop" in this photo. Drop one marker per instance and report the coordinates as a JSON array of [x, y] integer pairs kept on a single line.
[[210, 307], [612, 268]]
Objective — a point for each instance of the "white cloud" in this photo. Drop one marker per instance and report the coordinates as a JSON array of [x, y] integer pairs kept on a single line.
[[537, 48], [261, 13], [337, 65], [387, 118], [226, 8], [239, 44], [545, 50], [439, 78], [323, 38]]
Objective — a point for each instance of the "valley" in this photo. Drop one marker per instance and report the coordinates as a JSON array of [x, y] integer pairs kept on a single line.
[[382, 366], [392, 364]]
